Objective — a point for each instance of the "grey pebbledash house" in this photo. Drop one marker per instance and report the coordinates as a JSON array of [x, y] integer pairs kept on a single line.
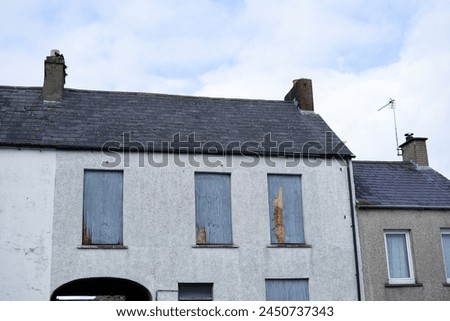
[[137, 196], [403, 211]]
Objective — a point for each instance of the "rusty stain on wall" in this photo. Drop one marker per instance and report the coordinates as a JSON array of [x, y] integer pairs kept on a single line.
[[278, 216], [87, 235], [201, 235]]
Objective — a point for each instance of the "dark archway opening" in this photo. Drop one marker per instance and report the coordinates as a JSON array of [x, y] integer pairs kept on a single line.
[[101, 289]]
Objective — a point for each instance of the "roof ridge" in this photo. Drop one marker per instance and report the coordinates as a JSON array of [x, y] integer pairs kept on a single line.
[[20, 87], [106, 91], [383, 162]]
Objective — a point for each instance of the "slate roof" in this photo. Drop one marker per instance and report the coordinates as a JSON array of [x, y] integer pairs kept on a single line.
[[86, 119], [399, 184]]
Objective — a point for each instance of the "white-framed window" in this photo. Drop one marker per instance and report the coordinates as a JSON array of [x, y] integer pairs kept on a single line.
[[399, 258], [445, 237]]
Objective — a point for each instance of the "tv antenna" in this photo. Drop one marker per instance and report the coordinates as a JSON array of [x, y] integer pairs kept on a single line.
[[391, 105]]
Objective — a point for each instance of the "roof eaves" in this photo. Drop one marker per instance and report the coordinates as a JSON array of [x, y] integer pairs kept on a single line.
[[403, 207], [171, 150]]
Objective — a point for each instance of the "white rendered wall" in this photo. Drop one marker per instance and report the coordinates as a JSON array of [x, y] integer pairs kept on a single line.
[[27, 179], [159, 230]]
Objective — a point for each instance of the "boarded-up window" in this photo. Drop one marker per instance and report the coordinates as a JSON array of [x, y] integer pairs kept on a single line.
[[213, 208], [102, 207], [195, 291], [285, 208], [287, 290]]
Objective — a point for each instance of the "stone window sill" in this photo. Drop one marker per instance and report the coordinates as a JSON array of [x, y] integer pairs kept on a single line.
[[215, 246], [102, 247], [405, 285], [290, 245]]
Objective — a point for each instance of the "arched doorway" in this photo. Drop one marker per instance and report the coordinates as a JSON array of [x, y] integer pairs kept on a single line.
[[101, 289]]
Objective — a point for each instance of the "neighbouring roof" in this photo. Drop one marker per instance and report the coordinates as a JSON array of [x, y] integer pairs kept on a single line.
[[399, 184], [86, 119]]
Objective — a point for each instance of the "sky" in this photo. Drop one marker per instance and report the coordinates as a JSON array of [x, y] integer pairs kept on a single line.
[[359, 55]]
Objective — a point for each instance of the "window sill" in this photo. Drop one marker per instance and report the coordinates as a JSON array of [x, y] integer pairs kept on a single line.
[[446, 284], [290, 245], [102, 247], [404, 285], [215, 246]]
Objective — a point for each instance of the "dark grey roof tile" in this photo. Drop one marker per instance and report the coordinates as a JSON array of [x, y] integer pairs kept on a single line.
[[88, 119], [399, 184]]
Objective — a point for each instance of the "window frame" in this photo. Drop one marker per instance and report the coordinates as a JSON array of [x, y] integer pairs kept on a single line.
[[85, 244], [445, 231], [268, 280], [411, 279], [193, 285]]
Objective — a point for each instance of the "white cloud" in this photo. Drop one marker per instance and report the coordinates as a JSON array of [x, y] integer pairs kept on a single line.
[[349, 99], [358, 54]]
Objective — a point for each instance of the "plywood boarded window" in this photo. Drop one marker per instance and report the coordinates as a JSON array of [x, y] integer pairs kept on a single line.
[[213, 208], [285, 208], [102, 207], [287, 290]]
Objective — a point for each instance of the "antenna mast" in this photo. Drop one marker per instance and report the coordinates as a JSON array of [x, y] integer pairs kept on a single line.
[[391, 105]]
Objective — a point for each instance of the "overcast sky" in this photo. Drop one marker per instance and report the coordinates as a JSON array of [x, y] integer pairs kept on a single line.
[[359, 54]]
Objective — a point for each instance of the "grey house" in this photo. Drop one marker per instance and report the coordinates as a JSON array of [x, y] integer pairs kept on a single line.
[[403, 211], [137, 196]]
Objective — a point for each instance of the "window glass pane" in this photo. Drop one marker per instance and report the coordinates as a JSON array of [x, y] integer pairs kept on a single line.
[[102, 207], [285, 208], [287, 290], [213, 208], [397, 256], [195, 291], [446, 248]]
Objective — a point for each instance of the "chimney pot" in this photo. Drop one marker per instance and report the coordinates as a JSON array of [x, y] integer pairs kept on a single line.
[[302, 94], [54, 76], [54, 52], [414, 149], [409, 136]]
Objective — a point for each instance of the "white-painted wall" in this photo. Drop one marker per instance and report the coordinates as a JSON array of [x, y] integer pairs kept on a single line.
[[159, 230], [27, 180]]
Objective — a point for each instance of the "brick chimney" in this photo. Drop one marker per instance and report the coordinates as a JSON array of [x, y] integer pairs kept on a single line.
[[302, 94], [54, 77], [415, 150]]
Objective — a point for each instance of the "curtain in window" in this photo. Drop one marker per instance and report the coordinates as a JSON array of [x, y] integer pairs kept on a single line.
[[446, 248], [398, 256], [287, 290]]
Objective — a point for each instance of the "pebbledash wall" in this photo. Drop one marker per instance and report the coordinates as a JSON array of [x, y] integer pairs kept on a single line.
[[424, 227], [159, 229], [27, 181]]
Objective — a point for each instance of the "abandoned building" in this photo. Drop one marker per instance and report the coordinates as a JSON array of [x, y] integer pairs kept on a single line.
[[403, 211], [138, 196]]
